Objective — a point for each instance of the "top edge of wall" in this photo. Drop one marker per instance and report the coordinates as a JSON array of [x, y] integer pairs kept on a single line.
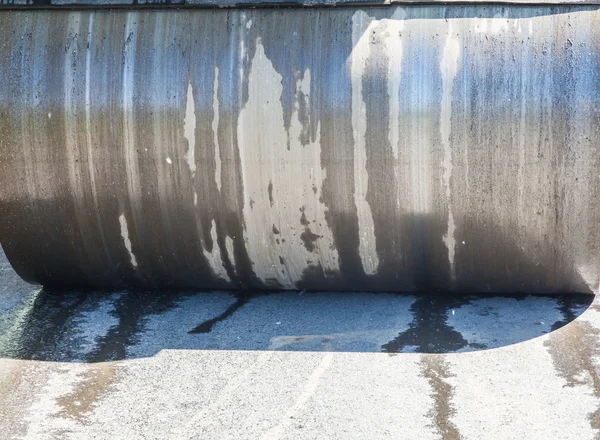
[[180, 4]]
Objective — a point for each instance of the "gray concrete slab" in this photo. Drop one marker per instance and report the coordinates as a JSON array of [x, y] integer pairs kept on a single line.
[[214, 365]]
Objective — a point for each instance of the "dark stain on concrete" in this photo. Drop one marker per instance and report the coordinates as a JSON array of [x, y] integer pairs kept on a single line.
[[132, 311], [309, 239], [50, 319], [303, 220], [436, 370], [82, 400], [270, 190], [241, 299], [429, 331]]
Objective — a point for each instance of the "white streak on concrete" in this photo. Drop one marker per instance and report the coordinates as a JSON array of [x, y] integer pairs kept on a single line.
[[395, 26], [126, 240], [494, 25], [214, 258], [206, 416], [230, 250], [195, 199], [358, 59], [70, 110], [134, 189], [277, 431], [480, 25], [448, 68], [215, 128], [43, 419], [281, 185], [499, 23], [169, 161], [88, 114], [189, 129]]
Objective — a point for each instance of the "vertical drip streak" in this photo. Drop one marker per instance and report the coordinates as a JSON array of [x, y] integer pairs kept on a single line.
[[448, 68]]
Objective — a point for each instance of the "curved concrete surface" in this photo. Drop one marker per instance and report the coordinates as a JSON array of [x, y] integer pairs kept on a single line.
[[382, 149]]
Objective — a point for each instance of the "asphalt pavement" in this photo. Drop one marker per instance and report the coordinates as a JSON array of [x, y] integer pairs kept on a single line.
[[295, 365]]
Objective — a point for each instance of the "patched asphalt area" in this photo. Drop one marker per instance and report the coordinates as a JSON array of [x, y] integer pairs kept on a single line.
[[295, 365]]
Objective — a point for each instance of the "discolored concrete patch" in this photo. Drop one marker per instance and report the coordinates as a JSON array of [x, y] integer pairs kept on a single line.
[[436, 371]]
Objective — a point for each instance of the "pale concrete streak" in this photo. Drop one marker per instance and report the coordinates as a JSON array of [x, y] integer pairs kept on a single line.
[[214, 258], [277, 431], [189, 129], [130, 154], [499, 23], [365, 396], [88, 131], [257, 148], [72, 147], [311, 190], [394, 48], [126, 240], [215, 129], [230, 250], [448, 68], [203, 417], [282, 211], [17, 379], [61, 380], [362, 27]]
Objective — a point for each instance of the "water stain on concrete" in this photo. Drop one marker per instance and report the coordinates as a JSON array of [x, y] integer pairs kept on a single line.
[[82, 400], [429, 331], [241, 299], [436, 370]]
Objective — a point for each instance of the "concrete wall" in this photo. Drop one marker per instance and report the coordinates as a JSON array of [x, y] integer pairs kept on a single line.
[[393, 148]]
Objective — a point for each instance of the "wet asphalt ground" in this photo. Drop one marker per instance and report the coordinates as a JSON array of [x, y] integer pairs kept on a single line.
[[217, 365]]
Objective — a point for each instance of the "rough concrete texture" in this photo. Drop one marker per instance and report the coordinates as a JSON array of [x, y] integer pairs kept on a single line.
[[380, 149], [212, 365], [164, 4]]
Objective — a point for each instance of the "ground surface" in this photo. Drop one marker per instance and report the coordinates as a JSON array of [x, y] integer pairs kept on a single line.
[[135, 365]]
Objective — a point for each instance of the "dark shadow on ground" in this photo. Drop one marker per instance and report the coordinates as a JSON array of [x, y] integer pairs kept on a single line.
[[93, 326]]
